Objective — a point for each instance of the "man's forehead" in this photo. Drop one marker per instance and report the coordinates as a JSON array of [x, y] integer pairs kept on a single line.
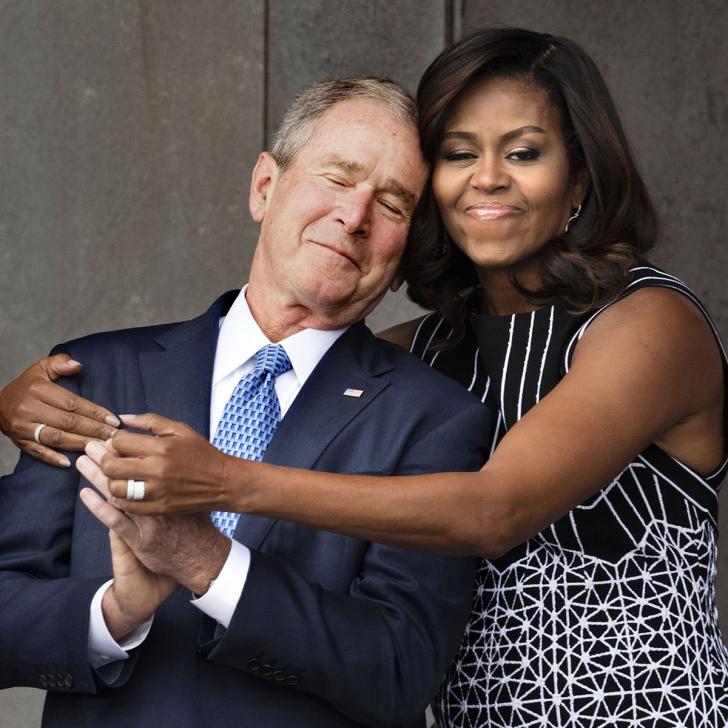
[[370, 115], [334, 134], [362, 106]]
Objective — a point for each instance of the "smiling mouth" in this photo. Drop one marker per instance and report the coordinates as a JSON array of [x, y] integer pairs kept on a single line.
[[492, 212], [338, 252]]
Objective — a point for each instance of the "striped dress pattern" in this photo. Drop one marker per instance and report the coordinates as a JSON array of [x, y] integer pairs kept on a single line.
[[608, 616]]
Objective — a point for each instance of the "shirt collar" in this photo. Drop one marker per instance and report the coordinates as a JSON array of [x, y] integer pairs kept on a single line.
[[241, 338]]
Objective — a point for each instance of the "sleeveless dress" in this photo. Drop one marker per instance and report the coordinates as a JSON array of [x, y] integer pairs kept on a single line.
[[608, 616]]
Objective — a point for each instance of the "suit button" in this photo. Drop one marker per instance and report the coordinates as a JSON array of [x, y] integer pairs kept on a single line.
[[279, 676], [253, 664], [266, 670], [292, 680], [67, 681], [51, 681]]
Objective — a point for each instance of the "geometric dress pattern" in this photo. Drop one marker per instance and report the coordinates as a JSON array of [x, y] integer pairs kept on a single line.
[[608, 616], [251, 418]]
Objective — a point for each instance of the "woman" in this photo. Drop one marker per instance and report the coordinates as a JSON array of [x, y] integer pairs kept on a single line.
[[597, 508]]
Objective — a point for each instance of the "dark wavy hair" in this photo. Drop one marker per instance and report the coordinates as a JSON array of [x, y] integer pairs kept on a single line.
[[582, 268]]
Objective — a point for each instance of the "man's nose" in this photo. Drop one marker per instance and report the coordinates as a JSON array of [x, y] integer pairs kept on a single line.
[[355, 212]]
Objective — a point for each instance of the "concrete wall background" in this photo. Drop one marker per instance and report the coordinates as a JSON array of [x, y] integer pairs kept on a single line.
[[128, 129]]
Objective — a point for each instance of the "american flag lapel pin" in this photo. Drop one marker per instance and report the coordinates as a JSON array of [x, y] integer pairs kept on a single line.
[[349, 392]]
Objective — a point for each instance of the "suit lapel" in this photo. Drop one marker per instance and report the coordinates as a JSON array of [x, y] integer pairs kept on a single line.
[[178, 378], [178, 381], [321, 411]]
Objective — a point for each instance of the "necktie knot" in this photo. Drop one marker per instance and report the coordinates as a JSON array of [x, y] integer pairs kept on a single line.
[[273, 359]]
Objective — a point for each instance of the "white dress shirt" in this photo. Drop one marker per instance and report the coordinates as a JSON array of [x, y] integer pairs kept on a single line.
[[239, 340]]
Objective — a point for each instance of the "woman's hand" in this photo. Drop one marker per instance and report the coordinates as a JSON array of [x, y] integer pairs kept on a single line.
[[71, 421], [181, 470]]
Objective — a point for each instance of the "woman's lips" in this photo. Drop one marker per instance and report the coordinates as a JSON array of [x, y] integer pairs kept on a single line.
[[492, 212]]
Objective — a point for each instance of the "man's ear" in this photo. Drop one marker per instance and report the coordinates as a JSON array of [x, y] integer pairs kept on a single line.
[[265, 175]]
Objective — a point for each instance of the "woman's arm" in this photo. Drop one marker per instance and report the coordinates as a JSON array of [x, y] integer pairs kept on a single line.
[[647, 370], [71, 421]]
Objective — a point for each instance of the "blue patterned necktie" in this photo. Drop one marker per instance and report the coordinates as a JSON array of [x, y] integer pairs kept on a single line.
[[251, 418]]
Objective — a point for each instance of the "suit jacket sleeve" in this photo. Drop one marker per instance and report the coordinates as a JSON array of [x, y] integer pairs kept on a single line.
[[44, 610], [377, 649]]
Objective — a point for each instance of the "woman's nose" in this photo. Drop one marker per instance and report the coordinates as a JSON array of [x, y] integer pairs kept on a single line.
[[489, 174]]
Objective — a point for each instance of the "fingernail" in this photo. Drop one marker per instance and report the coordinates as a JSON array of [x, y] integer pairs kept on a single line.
[[94, 448], [113, 421], [75, 363], [126, 418], [64, 462]]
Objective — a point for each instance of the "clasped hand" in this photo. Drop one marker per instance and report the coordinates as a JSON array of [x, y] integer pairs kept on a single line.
[[182, 471], [151, 555]]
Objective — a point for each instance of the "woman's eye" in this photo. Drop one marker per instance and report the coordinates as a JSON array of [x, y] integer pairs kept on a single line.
[[524, 155], [458, 156]]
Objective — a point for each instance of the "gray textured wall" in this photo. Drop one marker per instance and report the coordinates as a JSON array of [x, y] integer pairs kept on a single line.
[[128, 129]]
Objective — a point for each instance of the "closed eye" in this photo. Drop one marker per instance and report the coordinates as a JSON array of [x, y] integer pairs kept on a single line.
[[337, 181], [389, 207], [459, 156]]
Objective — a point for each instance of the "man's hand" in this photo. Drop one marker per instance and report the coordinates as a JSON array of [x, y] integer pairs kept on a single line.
[[136, 592], [186, 548], [182, 471], [71, 421]]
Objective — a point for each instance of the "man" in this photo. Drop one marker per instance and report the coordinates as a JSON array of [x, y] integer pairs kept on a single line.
[[281, 625]]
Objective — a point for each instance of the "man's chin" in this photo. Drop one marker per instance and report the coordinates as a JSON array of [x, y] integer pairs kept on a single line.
[[340, 305]]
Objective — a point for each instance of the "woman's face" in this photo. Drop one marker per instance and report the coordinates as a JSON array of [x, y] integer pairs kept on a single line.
[[502, 180]]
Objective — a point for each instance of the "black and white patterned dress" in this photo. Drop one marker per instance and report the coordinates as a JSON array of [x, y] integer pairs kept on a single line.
[[607, 617]]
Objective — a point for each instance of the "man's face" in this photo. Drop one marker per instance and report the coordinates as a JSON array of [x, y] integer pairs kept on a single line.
[[334, 224]]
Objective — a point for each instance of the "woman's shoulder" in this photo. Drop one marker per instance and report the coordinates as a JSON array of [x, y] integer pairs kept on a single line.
[[659, 340], [658, 347], [402, 334], [652, 316], [654, 307]]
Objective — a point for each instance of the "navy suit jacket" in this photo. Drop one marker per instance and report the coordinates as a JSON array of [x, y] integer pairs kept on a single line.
[[329, 631]]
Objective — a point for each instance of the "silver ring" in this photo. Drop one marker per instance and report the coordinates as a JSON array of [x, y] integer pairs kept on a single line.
[[134, 489], [36, 434]]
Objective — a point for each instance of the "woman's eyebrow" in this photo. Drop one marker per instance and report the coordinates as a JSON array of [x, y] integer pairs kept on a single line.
[[528, 129], [508, 136], [466, 135]]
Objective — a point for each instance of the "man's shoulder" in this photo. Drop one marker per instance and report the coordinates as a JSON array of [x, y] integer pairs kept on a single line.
[[136, 337], [153, 337], [413, 375], [428, 421]]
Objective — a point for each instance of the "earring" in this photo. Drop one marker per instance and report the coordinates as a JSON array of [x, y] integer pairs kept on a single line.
[[573, 217]]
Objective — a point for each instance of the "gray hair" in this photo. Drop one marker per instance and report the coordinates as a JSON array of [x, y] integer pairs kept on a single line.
[[317, 98]]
